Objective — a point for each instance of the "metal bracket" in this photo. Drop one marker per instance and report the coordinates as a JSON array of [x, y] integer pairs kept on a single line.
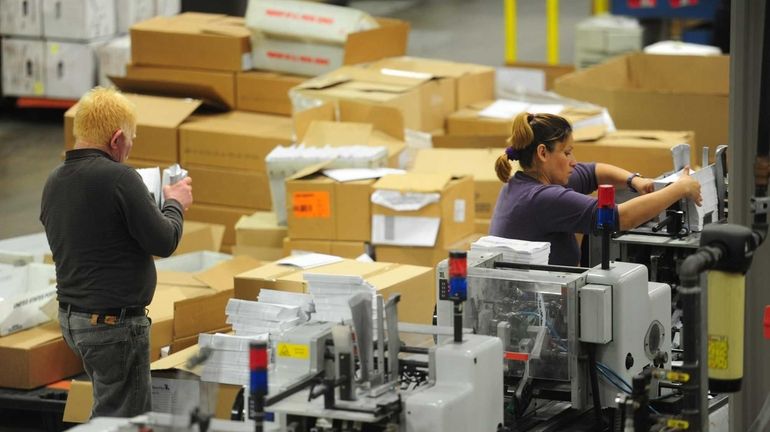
[[760, 205]]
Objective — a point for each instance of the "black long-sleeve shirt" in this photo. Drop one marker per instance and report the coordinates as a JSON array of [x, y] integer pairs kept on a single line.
[[104, 228]]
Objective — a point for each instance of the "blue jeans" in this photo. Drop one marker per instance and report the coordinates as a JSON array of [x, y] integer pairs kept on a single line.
[[116, 358]]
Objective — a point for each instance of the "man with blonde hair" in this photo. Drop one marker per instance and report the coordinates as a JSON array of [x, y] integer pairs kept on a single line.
[[104, 227]]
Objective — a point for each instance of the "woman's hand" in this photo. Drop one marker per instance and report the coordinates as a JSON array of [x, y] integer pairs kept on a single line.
[[643, 185], [690, 187]]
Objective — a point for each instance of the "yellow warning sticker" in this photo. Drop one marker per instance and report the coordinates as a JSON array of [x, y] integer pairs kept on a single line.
[[314, 204], [296, 351], [718, 350], [38, 88], [54, 48], [678, 424]]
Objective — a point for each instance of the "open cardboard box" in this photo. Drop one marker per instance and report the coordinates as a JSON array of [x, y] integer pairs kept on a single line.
[[659, 92], [170, 376], [157, 119]]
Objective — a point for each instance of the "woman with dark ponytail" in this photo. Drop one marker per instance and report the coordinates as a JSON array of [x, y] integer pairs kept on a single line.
[[549, 198]]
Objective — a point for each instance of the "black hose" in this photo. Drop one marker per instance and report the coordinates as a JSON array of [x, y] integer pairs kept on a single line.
[[591, 348]]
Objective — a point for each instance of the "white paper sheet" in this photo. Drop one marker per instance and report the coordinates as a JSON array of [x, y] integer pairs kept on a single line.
[[405, 230], [310, 260], [545, 109], [504, 109], [404, 201], [151, 179], [353, 174]]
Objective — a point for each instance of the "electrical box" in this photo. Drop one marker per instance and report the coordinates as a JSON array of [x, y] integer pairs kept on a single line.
[[596, 313]]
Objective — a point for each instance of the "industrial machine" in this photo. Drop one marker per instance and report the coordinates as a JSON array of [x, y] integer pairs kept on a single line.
[[546, 316]]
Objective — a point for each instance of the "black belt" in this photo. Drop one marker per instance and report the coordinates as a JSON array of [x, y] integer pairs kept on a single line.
[[117, 312]]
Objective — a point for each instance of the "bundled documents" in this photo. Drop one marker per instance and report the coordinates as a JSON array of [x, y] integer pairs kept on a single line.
[[519, 251]]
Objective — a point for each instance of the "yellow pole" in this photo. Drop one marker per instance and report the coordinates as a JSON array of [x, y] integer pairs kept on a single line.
[[601, 7], [552, 31], [509, 10]]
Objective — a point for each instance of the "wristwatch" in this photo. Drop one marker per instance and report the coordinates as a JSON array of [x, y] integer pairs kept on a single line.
[[629, 179]]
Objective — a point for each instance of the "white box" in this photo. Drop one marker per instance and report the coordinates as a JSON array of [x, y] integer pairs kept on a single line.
[[131, 11], [23, 67], [26, 248], [70, 68], [79, 19], [296, 57], [168, 7], [306, 20], [112, 59], [23, 292], [21, 18]]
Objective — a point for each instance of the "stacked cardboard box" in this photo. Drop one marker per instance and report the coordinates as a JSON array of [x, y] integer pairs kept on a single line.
[[260, 236], [225, 155], [643, 91]]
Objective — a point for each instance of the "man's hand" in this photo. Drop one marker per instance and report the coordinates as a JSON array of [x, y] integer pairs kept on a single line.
[[180, 191]]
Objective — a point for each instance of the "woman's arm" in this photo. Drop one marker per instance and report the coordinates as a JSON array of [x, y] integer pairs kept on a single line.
[[639, 210], [616, 176]]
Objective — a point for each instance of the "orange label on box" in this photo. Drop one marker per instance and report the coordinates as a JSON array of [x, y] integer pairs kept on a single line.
[[311, 204]]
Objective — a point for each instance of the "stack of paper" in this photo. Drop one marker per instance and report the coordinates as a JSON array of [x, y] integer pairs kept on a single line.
[[303, 301], [250, 318], [332, 292], [707, 212], [228, 362], [518, 251]]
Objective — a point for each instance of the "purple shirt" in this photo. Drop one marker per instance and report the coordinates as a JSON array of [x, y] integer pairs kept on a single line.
[[529, 210]]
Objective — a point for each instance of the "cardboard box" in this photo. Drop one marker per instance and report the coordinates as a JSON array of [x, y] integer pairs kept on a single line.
[[21, 18], [199, 236], [478, 163], [321, 208], [415, 284], [166, 374], [259, 235], [423, 256], [230, 187], [445, 216], [112, 58], [234, 140], [655, 92], [221, 215], [157, 119], [311, 58], [265, 92], [472, 82], [133, 11], [469, 141], [645, 152], [79, 19], [23, 67], [360, 123], [550, 72], [214, 87], [482, 226], [424, 100], [24, 292], [70, 68], [192, 40], [345, 249], [36, 357]]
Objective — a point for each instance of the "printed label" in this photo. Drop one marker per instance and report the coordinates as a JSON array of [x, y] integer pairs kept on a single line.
[[296, 351], [459, 211], [718, 350], [311, 204]]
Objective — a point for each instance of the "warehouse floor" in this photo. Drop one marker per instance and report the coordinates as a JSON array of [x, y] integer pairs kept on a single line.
[[31, 141]]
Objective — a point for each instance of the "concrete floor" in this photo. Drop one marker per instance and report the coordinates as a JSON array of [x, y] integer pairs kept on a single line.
[[31, 141]]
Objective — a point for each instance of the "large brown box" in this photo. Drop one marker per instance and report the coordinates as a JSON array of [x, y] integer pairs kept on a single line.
[[472, 82], [259, 235], [424, 100], [415, 284], [478, 163], [192, 40], [643, 91], [233, 140], [215, 87], [265, 92], [230, 187], [454, 211], [157, 120], [217, 214], [36, 357], [321, 208]]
